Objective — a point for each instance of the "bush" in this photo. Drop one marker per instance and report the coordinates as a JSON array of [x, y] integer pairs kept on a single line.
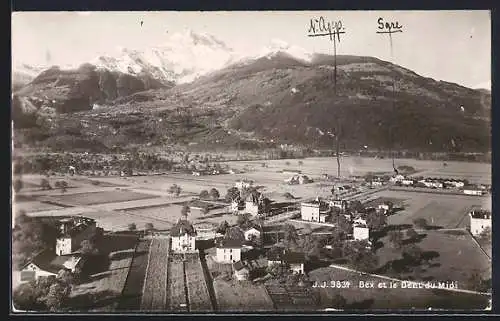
[[204, 194], [132, 227]]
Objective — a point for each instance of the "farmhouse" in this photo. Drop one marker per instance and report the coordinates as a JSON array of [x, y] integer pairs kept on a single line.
[[183, 237], [314, 211], [241, 272], [48, 263], [73, 231], [479, 221]]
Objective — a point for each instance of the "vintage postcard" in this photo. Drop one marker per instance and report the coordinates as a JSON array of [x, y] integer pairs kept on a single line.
[[305, 162]]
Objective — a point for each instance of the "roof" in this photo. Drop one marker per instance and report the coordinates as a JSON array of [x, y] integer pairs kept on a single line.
[[294, 257], [250, 225], [182, 227], [230, 244], [49, 261], [482, 214], [238, 266]]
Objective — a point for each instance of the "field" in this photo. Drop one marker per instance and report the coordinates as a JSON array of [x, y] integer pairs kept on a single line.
[[289, 298], [99, 197], [447, 211], [107, 285], [154, 295], [34, 206], [199, 299], [177, 299], [454, 256], [387, 298], [241, 296], [130, 299]]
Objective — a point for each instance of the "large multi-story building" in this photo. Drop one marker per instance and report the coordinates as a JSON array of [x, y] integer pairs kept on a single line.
[[314, 211], [183, 237]]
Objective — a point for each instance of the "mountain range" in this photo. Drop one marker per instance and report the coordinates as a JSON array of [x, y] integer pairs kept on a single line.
[[206, 93]]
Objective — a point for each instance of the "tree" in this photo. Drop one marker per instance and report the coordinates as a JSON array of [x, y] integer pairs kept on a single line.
[[148, 226], [63, 185], [420, 223], [88, 248], [132, 227], [360, 256], [66, 276], [356, 206], [205, 209], [44, 184], [411, 234], [57, 296], [18, 185], [301, 163], [175, 189], [287, 163], [412, 252], [185, 210], [291, 236], [396, 238], [243, 219], [232, 194], [266, 205], [204, 194], [214, 194], [376, 221], [223, 227]]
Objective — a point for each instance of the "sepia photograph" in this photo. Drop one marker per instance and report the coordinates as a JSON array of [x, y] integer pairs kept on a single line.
[[206, 162]]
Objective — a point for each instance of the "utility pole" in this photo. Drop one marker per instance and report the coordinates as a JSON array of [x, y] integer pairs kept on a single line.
[[390, 28], [321, 28]]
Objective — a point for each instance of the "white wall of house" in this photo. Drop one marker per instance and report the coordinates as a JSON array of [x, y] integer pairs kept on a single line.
[[309, 212], [184, 243], [297, 268], [477, 225], [251, 208], [473, 192], [63, 246], [361, 233], [228, 255]]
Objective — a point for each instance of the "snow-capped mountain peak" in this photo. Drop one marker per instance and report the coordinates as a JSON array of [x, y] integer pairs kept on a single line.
[[279, 46], [182, 58]]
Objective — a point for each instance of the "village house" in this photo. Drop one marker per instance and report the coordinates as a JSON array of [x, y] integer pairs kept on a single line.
[[360, 229], [455, 183], [376, 183], [407, 182], [253, 204], [229, 250], [47, 263], [314, 211], [338, 203], [294, 261], [237, 204], [183, 236], [244, 183], [253, 233], [241, 272], [73, 231], [473, 191], [479, 221], [397, 178], [431, 183]]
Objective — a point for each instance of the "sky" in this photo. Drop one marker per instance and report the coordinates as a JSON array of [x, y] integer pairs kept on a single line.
[[453, 46]]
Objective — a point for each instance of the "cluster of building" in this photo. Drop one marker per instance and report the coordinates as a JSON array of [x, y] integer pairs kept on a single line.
[[439, 183], [66, 255]]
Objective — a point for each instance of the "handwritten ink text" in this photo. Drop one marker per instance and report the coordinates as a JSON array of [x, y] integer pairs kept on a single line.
[[388, 27], [319, 27]]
